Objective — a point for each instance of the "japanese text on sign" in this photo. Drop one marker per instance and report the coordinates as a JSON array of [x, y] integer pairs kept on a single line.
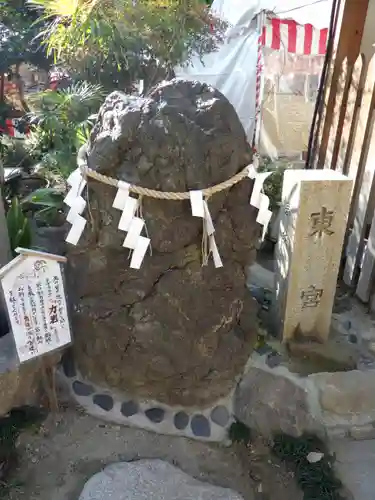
[[321, 222], [311, 296], [34, 294]]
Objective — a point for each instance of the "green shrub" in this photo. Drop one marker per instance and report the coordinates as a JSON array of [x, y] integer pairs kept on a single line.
[[64, 119], [273, 185], [19, 230]]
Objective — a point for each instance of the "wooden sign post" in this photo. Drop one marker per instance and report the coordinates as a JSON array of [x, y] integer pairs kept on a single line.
[[33, 289], [308, 252]]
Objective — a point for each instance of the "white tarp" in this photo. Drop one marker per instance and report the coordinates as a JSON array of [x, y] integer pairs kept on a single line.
[[232, 70], [237, 12]]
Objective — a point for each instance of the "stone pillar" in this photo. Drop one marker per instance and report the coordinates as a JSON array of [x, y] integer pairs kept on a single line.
[[313, 222]]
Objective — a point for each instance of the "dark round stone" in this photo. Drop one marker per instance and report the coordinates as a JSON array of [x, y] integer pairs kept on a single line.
[[200, 426], [67, 362], [273, 359], [353, 338], [181, 420], [82, 389], [156, 415], [220, 415], [129, 408], [104, 401], [258, 293]]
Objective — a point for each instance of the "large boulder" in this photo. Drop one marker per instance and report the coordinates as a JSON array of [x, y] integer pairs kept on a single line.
[[151, 479], [173, 331], [273, 400]]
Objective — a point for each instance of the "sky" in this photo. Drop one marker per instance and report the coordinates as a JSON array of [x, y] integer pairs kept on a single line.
[[315, 12]]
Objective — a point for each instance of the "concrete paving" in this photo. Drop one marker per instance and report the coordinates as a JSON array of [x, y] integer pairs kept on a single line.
[[355, 465], [56, 461]]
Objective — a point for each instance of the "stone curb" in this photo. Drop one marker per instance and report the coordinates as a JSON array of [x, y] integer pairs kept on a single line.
[[204, 424], [337, 404], [267, 399]]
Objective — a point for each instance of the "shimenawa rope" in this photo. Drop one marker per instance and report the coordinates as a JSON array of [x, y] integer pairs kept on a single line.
[[162, 195]]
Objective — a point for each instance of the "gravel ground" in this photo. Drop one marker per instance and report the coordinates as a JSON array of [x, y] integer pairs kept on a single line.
[[70, 447]]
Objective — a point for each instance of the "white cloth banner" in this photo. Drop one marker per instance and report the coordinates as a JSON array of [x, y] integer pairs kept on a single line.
[[232, 70]]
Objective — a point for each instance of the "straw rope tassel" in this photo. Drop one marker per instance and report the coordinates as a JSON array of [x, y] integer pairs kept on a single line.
[[205, 250]]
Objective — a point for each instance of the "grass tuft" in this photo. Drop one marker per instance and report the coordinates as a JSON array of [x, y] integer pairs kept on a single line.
[[316, 480]]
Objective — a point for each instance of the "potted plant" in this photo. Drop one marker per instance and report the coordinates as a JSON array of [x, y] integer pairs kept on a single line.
[[45, 209]]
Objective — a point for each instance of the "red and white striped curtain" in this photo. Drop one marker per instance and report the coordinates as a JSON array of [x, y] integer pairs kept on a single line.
[[287, 81], [286, 34]]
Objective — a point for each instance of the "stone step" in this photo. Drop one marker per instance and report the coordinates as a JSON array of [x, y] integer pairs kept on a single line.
[[355, 465]]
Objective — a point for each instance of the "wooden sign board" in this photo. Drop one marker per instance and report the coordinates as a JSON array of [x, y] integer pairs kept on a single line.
[[33, 289]]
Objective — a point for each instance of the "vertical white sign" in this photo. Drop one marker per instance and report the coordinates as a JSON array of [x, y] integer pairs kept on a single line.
[[34, 294]]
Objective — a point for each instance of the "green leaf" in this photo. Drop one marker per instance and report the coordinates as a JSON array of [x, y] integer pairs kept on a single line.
[[45, 197], [18, 226], [113, 41], [64, 121]]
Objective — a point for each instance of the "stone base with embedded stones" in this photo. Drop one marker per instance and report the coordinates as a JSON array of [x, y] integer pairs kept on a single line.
[[208, 424]]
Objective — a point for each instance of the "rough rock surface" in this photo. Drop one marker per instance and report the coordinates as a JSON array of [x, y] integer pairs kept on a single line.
[[173, 331], [151, 479], [19, 384], [271, 401], [334, 355], [347, 394]]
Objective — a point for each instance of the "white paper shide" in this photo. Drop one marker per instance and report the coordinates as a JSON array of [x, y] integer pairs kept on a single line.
[[258, 199], [34, 294], [131, 224], [77, 204]]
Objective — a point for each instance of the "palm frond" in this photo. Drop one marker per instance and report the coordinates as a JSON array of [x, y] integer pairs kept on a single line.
[[119, 37], [66, 102], [83, 93], [60, 8], [63, 120]]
